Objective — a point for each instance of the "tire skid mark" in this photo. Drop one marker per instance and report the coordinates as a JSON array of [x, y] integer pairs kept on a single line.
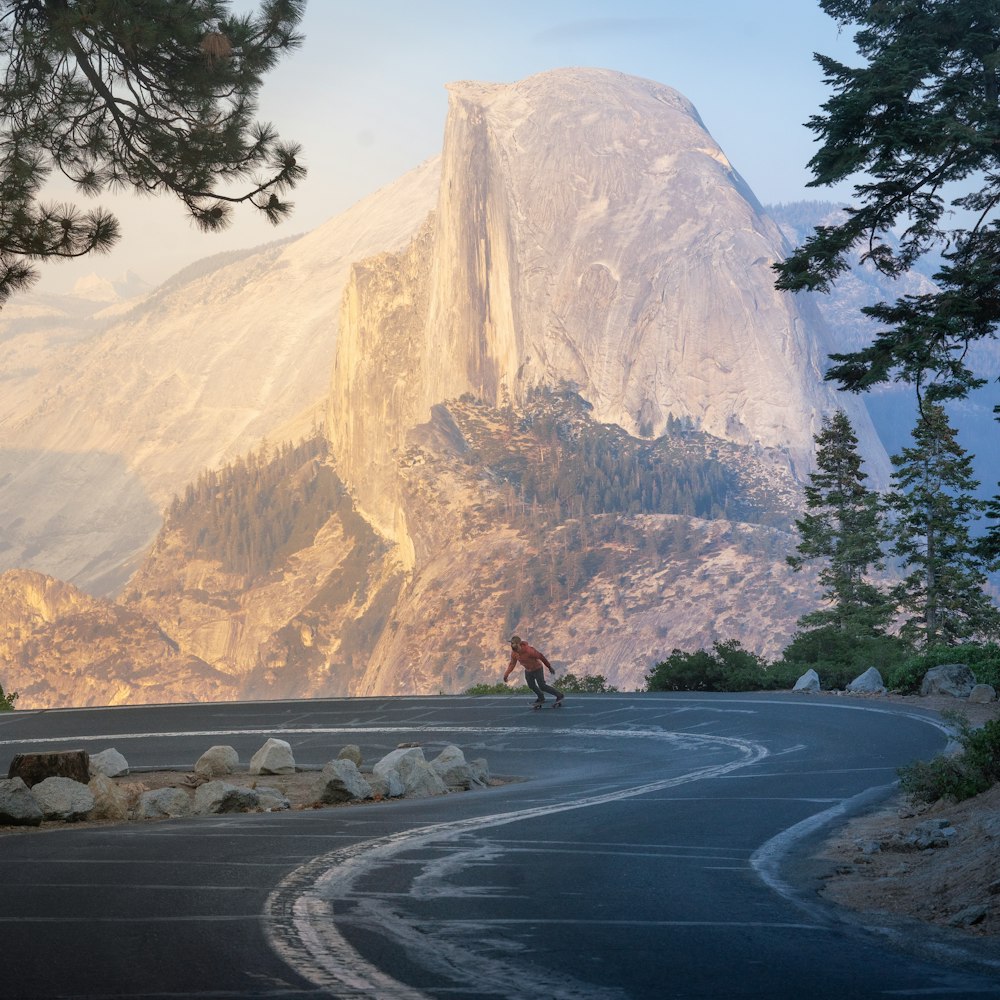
[[301, 925]]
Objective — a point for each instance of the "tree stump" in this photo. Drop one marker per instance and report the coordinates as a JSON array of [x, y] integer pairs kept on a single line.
[[32, 768]]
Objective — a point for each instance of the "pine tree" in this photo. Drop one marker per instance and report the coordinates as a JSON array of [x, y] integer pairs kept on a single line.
[[843, 529], [917, 124], [934, 508], [152, 97]]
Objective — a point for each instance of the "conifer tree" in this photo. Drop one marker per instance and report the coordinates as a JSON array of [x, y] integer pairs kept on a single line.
[[918, 123], [153, 96], [934, 507], [843, 529]]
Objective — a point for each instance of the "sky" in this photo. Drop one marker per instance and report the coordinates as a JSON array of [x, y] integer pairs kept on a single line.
[[365, 96]]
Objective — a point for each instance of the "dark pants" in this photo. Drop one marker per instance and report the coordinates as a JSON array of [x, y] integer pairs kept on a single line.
[[536, 681]]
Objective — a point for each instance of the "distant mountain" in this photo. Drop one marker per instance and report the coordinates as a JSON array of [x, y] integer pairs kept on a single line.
[[106, 413], [544, 383]]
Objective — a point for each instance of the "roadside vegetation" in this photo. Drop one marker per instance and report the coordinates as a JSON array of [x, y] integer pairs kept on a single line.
[[7, 700], [568, 683], [963, 775]]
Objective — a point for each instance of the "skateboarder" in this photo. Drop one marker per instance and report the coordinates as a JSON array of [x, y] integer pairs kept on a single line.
[[534, 663]]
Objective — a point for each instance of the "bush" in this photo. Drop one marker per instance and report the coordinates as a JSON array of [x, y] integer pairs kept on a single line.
[[982, 659], [838, 656], [729, 667], [7, 701], [587, 684], [499, 688], [975, 769]]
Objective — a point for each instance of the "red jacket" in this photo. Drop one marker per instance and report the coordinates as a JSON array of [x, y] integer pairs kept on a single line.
[[530, 657]]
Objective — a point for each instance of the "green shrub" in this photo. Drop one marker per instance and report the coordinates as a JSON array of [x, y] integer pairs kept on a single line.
[[982, 659], [7, 701], [499, 688], [838, 656], [975, 769], [587, 684], [729, 667]]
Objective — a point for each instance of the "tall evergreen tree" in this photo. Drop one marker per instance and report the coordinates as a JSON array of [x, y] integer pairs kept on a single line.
[[843, 529], [153, 96], [919, 123], [934, 508]]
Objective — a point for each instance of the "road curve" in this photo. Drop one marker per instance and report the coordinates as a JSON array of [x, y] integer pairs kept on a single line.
[[641, 855]]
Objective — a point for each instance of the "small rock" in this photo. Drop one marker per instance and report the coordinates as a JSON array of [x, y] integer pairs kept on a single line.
[[163, 803], [869, 682], [216, 762], [108, 762], [808, 682], [969, 916], [351, 753], [63, 799], [221, 797], [982, 694], [271, 799], [451, 765], [18, 807], [953, 679], [274, 757], [341, 781], [110, 801]]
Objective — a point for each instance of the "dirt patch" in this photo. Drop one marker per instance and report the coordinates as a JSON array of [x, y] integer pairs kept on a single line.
[[939, 864]]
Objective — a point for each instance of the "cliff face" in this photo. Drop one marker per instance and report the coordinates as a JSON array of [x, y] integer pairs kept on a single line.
[[60, 646], [104, 416], [589, 231]]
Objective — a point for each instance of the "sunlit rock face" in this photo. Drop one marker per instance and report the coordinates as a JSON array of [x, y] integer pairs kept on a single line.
[[106, 415], [589, 231]]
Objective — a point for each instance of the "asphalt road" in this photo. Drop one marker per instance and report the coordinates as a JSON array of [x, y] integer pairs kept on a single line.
[[649, 852]]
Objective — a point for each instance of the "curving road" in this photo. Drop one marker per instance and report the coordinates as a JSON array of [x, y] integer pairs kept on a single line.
[[646, 855]]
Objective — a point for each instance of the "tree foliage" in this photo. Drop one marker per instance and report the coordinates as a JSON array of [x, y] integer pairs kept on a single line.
[[919, 123], [253, 513], [727, 667], [933, 507], [150, 96], [843, 530]]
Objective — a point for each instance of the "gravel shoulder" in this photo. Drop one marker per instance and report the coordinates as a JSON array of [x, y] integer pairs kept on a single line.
[[875, 868]]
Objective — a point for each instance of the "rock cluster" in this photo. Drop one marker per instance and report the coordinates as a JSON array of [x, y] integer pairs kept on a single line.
[[953, 679], [35, 798]]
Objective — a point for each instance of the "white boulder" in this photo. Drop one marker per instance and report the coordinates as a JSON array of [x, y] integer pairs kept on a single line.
[[161, 803], [420, 780], [216, 762], [18, 807], [274, 757], [341, 781], [109, 762], [870, 682], [808, 682], [63, 799]]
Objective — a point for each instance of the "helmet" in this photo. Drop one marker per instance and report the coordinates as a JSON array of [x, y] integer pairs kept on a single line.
[[515, 640]]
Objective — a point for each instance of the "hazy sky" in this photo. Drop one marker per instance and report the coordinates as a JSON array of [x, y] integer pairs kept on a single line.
[[365, 96]]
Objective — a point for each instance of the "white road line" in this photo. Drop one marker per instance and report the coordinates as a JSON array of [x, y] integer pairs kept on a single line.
[[301, 927]]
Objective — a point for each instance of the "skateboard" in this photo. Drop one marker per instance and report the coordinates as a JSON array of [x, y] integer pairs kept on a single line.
[[536, 705]]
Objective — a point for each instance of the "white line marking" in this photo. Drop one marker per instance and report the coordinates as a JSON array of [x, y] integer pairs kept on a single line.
[[301, 926]]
